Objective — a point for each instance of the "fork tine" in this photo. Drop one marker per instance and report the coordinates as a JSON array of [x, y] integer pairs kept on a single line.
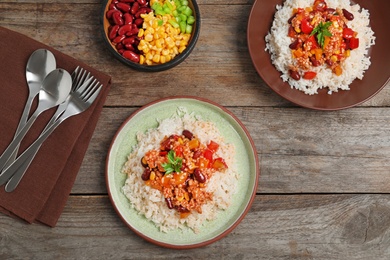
[[94, 95], [86, 84], [88, 89]]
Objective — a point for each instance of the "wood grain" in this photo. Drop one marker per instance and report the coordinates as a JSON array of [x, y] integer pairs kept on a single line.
[[286, 227]]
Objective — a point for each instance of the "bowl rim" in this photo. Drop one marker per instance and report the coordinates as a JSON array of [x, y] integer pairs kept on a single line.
[[257, 172], [324, 102], [159, 67]]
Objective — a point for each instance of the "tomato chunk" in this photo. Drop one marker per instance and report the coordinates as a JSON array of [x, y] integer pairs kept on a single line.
[[348, 33], [213, 146], [306, 27], [309, 75], [353, 43], [219, 164]]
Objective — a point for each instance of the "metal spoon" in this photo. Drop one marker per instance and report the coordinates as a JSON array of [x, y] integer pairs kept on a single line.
[[40, 63], [55, 89]]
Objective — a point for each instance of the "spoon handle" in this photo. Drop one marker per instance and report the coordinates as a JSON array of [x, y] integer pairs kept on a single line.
[[22, 123], [15, 143], [16, 170]]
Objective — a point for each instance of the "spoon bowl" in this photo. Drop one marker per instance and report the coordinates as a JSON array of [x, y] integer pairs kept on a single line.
[[40, 63], [55, 89]]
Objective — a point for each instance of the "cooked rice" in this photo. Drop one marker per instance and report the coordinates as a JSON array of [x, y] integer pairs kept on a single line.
[[151, 203], [277, 43]]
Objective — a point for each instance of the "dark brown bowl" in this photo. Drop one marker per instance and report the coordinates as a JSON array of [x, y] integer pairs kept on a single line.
[[104, 25], [375, 78]]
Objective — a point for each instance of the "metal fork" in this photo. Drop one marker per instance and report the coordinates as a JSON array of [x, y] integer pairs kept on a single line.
[[79, 101]]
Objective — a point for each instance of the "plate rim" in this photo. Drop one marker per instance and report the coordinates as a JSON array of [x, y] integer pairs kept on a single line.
[[258, 3], [242, 214]]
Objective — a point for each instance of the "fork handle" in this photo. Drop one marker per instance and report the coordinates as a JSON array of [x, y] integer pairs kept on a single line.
[[22, 123], [29, 152], [16, 141]]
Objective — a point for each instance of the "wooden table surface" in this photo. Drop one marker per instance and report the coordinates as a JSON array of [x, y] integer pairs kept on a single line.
[[324, 189]]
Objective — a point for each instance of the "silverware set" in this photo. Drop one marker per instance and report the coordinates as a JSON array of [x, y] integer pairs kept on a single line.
[[71, 94]]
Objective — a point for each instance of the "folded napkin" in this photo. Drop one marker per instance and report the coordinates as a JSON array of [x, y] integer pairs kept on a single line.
[[45, 188]]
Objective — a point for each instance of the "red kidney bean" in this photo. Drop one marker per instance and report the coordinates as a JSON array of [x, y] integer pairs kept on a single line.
[[119, 46], [331, 10], [143, 162], [169, 203], [123, 7], [294, 74], [130, 55], [197, 154], [314, 61], [146, 174], [117, 18], [129, 40], [119, 38], [142, 2], [109, 13], [124, 29], [199, 176], [139, 21], [348, 15], [134, 8], [329, 62], [112, 33], [130, 47], [187, 134], [128, 18], [182, 209], [291, 18], [112, 6], [121, 51], [296, 44], [142, 10]]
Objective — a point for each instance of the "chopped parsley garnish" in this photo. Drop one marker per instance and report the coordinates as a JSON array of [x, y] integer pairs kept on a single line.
[[322, 30], [174, 163]]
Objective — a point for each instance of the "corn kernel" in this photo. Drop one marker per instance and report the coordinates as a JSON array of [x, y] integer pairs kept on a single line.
[[333, 58], [156, 58], [152, 176], [182, 48], [148, 37], [141, 59], [347, 53], [141, 32]]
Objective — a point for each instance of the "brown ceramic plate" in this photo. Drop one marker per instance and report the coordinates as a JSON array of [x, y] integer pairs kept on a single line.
[[375, 78], [233, 132]]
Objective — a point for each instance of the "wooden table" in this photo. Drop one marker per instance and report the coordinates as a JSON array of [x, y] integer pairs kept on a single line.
[[324, 190]]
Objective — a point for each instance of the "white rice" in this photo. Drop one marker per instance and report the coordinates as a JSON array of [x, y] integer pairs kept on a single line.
[[151, 203], [278, 41]]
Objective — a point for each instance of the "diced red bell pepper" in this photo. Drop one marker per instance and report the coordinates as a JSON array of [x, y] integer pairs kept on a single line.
[[208, 154], [219, 163], [309, 75], [306, 27], [178, 151], [348, 33], [353, 43], [213, 146], [312, 41]]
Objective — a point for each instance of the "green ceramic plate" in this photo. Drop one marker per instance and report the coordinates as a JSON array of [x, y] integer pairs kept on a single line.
[[232, 130]]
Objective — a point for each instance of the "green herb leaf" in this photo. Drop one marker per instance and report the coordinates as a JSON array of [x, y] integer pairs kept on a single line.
[[322, 30], [174, 163]]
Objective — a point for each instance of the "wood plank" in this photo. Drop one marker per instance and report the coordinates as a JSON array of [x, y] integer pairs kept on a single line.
[[299, 150], [221, 59], [277, 227]]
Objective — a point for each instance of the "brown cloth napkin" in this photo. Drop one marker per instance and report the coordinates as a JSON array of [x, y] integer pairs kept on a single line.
[[45, 188]]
